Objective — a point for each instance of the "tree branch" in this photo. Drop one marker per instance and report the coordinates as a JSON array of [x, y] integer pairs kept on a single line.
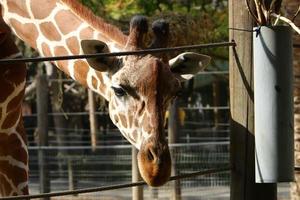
[[286, 20], [252, 13], [298, 11]]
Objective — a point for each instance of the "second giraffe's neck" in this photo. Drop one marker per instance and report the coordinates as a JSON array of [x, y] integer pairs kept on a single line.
[[56, 28], [13, 150]]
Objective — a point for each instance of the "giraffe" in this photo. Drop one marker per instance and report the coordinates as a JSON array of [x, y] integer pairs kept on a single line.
[[13, 150], [138, 88]]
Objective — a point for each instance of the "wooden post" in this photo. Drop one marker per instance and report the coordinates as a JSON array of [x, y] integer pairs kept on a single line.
[[42, 124], [137, 192], [216, 103], [173, 129], [60, 122], [93, 119], [243, 186]]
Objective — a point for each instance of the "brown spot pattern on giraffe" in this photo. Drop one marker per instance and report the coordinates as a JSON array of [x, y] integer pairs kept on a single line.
[[21, 131], [63, 64], [102, 90], [46, 49], [28, 32], [49, 31], [136, 123], [15, 74], [6, 88], [16, 101], [96, 22], [73, 45], [99, 76], [41, 12], [100, 79], [86, 33], [16, 174], [5, 186], [134, 135], [18, 7], [80, 71], [12, 146], [116, 118], [94, 82], [130, 120], [11, 118], [123, 120], [6, 40], [67, 21]]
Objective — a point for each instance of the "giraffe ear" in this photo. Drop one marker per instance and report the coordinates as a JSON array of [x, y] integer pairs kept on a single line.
[[102, 64], [188, 64]]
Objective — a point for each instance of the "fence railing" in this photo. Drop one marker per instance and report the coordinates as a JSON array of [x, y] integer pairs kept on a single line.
[[111, 165]]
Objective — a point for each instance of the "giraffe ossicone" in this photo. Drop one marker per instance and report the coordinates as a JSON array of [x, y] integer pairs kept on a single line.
[[138, 88]]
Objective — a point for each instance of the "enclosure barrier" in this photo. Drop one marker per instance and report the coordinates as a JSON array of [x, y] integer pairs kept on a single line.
[[114, 187], [139, 52]]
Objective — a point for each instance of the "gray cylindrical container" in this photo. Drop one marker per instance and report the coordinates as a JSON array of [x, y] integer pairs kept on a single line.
[[273, 105]]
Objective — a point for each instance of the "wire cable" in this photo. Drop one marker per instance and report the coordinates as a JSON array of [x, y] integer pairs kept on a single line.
[[124, 53]]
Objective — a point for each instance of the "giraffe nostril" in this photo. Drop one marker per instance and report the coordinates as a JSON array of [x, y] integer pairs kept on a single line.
[[150, 154], [141, 107]]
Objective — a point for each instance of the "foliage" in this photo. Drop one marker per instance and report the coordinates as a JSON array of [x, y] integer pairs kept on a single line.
[[263, 10], [120, 9], [191, 21], [205, 20]]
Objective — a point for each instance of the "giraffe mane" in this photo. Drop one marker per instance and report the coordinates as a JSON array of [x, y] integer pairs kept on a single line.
[[96, 22]]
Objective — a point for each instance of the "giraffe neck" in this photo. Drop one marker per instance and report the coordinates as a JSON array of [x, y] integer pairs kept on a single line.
[[13, 150], [56, 28]]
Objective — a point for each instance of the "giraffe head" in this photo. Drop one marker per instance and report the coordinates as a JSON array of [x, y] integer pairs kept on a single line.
[[141, 89]]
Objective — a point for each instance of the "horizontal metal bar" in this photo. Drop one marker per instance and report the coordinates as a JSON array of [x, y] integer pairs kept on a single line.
[[67, 113], [123, 146], [207, 108], [114, 187], [213, 72], [106, 113], [124, 53]]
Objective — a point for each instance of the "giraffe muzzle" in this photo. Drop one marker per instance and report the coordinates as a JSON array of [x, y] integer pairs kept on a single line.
[[154, 162]]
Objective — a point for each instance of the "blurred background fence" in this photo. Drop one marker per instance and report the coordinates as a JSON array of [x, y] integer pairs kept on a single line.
[[71, 162]]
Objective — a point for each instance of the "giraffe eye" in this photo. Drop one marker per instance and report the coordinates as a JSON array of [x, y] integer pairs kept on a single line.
[[119, 92]]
